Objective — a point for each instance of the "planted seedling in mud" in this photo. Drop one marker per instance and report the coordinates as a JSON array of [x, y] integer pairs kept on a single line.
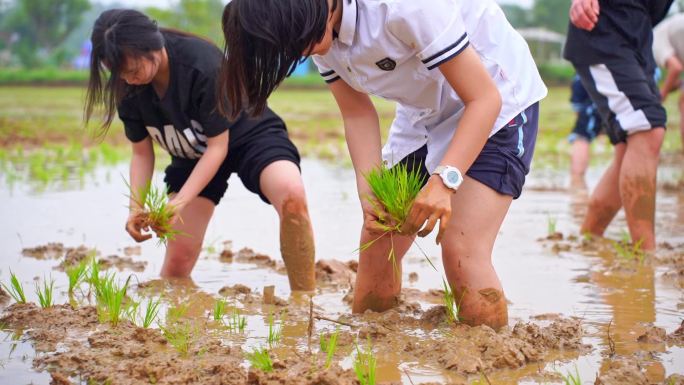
[[110, 299], [551, 225], [45, 294], [628, 250], [364, 365], [174, 314], [156, 211], [76, 274], [237, 322], [260, 359], [571, 379], [450, 303], [15, 289], [274, 332], [151, 312], [180, 335], [394, 190], [219, 309], [329, 345]]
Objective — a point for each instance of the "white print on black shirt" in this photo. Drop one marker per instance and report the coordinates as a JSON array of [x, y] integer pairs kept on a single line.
[[190, 144]]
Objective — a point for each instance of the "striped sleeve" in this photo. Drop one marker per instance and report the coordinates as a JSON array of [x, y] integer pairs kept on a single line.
[[437, 32], [328, 74]]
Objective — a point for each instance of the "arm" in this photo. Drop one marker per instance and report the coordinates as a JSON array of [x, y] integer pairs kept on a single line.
[[362, 132], [674, 70], [141, 170], [482, 106], [584, 14], [204, 171]]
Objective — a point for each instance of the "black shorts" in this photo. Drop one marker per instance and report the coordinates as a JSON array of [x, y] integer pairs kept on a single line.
[[588, 124], [505, 159], [248, 160], [626, 95]]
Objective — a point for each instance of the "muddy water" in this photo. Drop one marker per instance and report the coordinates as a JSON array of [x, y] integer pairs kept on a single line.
[[615, 304]]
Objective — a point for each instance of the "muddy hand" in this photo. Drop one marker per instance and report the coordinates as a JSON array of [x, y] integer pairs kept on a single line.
[[432, 204], [584, 14], [136, 224], [176, 204]]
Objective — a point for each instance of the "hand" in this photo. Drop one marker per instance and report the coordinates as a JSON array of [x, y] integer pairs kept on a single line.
[[176, 205], [135, 224], [375, 218], [433, 203], [584, 13]]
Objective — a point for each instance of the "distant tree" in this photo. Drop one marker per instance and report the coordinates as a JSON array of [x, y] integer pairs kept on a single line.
[[518, 16], [39, 27], [201, 17], [551, 14]]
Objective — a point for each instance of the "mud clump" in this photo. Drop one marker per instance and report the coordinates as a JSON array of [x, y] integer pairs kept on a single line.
[[52, 250], [130, 251], [300, 372], [122, 263], [335, 272], [623, 371], [227, 291], [653, 335], [250, 256]]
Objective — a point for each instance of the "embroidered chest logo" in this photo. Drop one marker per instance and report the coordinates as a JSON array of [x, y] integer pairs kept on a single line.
[[386, 64]]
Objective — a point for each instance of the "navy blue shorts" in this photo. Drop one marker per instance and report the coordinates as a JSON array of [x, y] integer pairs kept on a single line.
[[505, 159], [588, 125]]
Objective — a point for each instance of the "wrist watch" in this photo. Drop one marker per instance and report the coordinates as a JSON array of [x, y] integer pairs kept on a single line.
[[451, 176]]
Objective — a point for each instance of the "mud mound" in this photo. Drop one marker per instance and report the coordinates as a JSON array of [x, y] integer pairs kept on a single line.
[[623, 371], [300, 372], [335, 272]]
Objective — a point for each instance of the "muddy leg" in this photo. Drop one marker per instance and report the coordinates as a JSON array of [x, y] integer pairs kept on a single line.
[[681, 116], [282, 184], [378, 281], [477, 214], [638, 184], [183, 251], [605, 202]]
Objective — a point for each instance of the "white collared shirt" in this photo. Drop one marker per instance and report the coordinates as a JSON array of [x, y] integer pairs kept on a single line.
[[393, 48]]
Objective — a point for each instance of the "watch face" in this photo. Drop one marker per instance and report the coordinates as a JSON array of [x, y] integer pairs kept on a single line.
[[453, 178]]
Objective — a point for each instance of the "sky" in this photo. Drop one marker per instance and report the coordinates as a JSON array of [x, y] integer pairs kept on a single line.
[[165, 3]]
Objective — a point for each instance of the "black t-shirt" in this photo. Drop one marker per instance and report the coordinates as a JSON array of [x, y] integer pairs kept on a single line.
[[624, 31], [183, 119]]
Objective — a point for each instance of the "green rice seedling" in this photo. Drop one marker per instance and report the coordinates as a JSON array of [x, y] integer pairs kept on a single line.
[[180, 335], [15, 289], [551, 225], [628, 250], [76, 274], [329, 346], [157, 211], [151, 312], [174, 314], [93, 277], [571, 379], [450, 302], [130, 311], [394, 190], [364, 365], [45, 294], [110, 299], [260, 359], [237, 323], [219, 309], [274, 332]]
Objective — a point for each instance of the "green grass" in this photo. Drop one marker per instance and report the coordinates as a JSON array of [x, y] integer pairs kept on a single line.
[[274, 332], [77, 274], [450, 302], [237, 322], [365, 365], [45, 296], [329, 346], [16, 290], [158, 213], [219, 309], [151, 312], [180, 335], [571, 379], [259, 358], [110, 297]]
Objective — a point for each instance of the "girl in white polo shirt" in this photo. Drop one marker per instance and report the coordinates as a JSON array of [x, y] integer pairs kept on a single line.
[[466, 89]]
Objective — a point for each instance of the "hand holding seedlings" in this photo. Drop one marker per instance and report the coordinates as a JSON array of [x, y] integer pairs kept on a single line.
[[137, 223], [432, 204], [376, 220]]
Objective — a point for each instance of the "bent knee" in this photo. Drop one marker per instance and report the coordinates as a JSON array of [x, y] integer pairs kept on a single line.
[[294, 201]]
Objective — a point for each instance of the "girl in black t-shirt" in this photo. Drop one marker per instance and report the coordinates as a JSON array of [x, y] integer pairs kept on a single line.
[[162, 84]]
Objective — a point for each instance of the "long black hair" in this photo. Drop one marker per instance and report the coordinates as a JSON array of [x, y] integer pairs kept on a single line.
[[265, 41], [117, 34]]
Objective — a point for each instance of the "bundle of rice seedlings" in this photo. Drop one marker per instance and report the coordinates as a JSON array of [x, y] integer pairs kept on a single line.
[[156, 212]]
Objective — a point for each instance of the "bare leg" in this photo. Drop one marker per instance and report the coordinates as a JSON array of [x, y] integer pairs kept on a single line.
[[579, 162], [282, 184], [183, 251], [378, 282], [681, 116], [638, 184], [605, 202], [477, 214]]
